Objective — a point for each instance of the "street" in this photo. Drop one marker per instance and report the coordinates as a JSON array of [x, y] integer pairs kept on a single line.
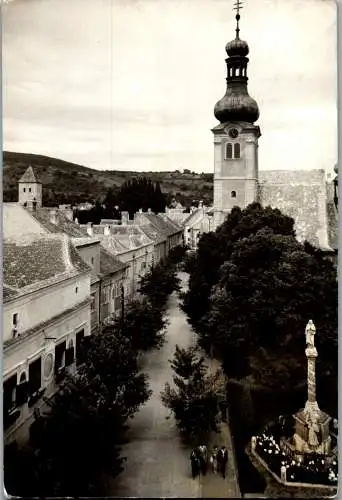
[[158, 463]]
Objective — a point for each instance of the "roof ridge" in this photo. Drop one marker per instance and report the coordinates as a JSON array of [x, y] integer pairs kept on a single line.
[[66, 252]]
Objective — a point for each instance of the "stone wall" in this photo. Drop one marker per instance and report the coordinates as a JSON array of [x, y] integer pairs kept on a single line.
[[301, 195]]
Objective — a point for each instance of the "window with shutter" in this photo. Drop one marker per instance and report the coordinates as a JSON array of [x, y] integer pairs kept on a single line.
[[35, 376], [9, 389], [79, 338], [59, 355]]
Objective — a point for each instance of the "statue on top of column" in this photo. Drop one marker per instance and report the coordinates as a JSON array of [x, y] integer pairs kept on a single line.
[[310, 332]]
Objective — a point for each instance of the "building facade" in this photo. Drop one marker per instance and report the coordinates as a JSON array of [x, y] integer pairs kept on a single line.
[[46, 313]]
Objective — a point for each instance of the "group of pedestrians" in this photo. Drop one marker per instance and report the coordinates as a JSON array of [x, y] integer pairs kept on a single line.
[[200, 458]]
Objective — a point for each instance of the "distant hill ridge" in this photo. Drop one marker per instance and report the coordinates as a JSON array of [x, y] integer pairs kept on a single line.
[[66, 182]]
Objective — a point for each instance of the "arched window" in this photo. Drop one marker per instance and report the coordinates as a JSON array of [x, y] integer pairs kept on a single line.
[[236, 150], [229, 151], [233, 194], [22, 378]]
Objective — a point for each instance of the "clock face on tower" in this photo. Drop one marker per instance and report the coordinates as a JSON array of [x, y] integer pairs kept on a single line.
[[233, 133]]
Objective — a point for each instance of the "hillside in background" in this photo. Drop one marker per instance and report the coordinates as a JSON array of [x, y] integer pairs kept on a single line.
[[65, 182]]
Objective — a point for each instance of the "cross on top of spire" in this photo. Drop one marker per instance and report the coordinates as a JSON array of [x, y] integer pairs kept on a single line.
[[237, 6]]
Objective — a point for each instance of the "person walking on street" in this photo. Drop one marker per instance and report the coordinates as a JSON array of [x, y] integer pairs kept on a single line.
[[195, 464], [223, 459], [203, 457], [213, 459]]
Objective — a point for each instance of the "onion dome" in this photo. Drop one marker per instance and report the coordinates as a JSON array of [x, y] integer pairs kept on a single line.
[[237, 47], [236, 107], [237, 104]]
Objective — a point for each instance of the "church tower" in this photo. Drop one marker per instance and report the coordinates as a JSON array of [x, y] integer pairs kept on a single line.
[[30, 190], [236, 137]]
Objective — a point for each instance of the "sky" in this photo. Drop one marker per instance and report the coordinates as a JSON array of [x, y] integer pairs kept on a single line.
[[132, 84]]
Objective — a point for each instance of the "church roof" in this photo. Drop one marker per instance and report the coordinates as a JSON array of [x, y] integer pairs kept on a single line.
[[29, 176]]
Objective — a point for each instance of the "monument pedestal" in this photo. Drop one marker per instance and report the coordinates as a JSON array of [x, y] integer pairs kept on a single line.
[[301, 436]]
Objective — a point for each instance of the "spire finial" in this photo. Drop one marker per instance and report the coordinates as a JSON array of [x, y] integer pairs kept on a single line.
[[237, 7]]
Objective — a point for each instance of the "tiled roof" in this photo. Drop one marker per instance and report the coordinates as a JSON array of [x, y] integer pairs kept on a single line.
[[178, 217], [63, 224], [29, 176], [152, 233], [131, 236], [8, 293], [163, 224], [110, 264], [34, 261]]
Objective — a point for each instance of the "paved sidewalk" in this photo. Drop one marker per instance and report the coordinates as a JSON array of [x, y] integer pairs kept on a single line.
[[214, 485]]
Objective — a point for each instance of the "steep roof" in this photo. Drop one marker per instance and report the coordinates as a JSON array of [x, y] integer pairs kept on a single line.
[[163, 224], [121, 239], [301, 195], [177, 216], [33, 261], [155, 235], [110, 264], [29, 176], [63, 224]]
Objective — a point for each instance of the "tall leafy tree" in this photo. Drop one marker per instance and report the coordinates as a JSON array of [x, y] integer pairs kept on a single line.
[[141, 193], [79, 438], [193, 401], [266, 293], [159, 283]]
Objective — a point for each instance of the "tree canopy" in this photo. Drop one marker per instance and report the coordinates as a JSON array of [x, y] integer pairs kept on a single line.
[[254, 285], [134, 194], [194, 400]]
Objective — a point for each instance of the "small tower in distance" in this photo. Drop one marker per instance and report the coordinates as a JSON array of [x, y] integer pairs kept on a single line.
[[30, 190], [236, 137]]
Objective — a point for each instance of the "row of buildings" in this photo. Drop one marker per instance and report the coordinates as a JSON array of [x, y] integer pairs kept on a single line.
[[61, 281]]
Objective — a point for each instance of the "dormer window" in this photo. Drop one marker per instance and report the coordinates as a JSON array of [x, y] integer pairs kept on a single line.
[[232, 151]]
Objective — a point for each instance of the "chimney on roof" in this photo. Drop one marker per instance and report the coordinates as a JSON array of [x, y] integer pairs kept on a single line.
[[76, 221], [140, 210], [69, 213], [139, 218], [200, 204], [106, 230], [124, 218], [149, 211], [53, 216], [90, 228]]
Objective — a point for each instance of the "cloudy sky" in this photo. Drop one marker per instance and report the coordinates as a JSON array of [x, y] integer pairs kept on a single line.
[[131, 84]]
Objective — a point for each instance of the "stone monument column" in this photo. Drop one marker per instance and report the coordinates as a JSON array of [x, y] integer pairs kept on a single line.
[[311, 409]]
